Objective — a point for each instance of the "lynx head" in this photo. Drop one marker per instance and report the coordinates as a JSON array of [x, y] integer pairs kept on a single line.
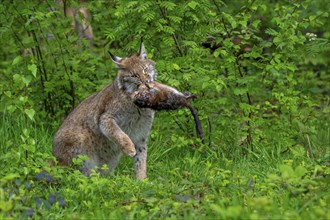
[[134, 70]]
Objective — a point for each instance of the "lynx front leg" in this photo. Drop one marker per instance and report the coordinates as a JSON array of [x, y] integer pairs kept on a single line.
[[112, 131], [140, 162]]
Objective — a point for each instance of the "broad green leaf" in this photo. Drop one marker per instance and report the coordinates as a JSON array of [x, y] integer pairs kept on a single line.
[[287, 171], [17, 60], [192, 4], [6, 206], [8, 93], [17, 77], [176, 66], [11, 108], [33, 69], [300, 171], [29, 147], [26, 80], [240, 91], [10, 176], [216, 53], [312, 17], [23, 99], [30, 113]]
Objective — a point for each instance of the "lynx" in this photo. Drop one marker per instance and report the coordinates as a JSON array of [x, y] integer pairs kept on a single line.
[[117, 119]]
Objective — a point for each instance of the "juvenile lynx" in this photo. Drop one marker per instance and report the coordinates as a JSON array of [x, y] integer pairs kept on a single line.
[[110, 122]]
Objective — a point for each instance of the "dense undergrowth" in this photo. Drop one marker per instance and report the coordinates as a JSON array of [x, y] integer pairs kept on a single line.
[[184, 182]]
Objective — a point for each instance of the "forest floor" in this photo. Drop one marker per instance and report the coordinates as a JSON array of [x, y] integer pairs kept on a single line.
[[183, 183]]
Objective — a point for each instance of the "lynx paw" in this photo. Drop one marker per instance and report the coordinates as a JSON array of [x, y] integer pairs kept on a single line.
[[129, 148], [130, 152]]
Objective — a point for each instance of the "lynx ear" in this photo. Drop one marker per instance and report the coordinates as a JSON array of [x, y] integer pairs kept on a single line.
[[115, 59], [142, 52]]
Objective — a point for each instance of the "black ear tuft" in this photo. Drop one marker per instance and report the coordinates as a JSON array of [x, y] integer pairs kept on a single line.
[[114, 58]]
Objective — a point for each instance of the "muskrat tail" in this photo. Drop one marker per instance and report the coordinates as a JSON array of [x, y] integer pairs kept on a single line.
[[199, 130]]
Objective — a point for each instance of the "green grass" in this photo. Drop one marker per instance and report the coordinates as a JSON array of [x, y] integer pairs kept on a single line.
[[183, 183]]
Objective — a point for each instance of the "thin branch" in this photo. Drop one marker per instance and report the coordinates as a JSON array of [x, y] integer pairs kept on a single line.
[[249, 136], [216, 5], [225, 26], [179, 124], [210, 129], [177, 44]]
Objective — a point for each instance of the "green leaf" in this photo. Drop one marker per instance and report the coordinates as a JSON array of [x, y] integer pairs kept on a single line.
[[149, 16], [216, 53], [300, 171], [168, 5], [231, 20], [29, 147], [132, 4], [291, 66], [17, 78], [6, 206], [9, 176], [11, 108], [243, 23], [175, 19], [26, 80], [287, 171], [256, 23], [312, 17], [271, 32], [8, 93], [30, 113], [240, 91], [33, 69], [192, 4], [176, 66], [17, 60]]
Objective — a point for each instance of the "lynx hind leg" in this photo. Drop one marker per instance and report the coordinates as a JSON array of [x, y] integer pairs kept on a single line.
[[69, 145]]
